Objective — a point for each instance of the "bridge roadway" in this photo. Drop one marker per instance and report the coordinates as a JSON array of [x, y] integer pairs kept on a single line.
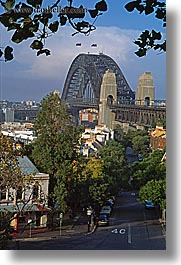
[[130, 113]]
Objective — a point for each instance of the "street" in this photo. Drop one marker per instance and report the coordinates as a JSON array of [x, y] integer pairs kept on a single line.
[[131, 227]]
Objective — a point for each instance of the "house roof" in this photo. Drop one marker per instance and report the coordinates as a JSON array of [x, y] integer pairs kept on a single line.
[[97, 144], [158, 132], [27, 167]]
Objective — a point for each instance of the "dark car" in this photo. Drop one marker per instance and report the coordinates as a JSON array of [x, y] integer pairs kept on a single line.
[[149, 205], [103, 220]]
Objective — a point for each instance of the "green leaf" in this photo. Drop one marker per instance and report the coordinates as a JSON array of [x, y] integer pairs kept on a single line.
[[83, 24], [33, 27], [35, 3], [22, 34], [63, 20], [93, 12], [101, 6], [45, 17], [148, 10], [140, 43], [8, 4], [160, 13], [46, 51], [54, 26], [141, 52], [156, 35], [140, 8], [13, 26], [36, 45], [130, 6], [8, 53], [4, 19]]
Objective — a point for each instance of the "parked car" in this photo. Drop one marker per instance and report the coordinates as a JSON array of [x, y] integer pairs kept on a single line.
[[149, 204], [106, 210], [103, 220], [140, 158]]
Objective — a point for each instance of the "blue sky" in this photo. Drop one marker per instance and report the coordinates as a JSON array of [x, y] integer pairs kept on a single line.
[[32, 77]]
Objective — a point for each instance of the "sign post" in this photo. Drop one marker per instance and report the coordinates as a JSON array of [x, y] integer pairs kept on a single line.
[[30, 223]]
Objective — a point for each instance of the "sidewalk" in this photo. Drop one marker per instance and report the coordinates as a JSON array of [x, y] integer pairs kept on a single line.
[[70, 228]]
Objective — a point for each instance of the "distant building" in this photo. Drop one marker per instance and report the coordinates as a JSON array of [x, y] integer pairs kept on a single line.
[[158, 138], [94, 139], [88, 117], [9, 115], [2, 116]]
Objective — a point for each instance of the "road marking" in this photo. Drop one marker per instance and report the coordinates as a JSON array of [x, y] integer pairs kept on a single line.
[[115, 231], [121, 231], [129, 233]]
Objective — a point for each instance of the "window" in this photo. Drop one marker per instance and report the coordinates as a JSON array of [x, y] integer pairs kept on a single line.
[[3, 193], [35, 191], [19, 193]]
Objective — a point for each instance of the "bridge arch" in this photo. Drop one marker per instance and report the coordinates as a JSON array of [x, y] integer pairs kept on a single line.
[[85, 75]]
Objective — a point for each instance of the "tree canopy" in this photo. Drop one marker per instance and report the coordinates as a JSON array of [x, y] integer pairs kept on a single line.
[[10, 173], [56, 137], [155, 191], [31, 20]]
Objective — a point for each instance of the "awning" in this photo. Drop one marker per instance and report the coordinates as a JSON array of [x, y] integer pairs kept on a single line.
[[24, 208]]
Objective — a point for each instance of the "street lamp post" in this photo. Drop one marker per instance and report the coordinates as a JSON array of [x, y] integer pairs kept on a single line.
[[89, 213], [61, 217]]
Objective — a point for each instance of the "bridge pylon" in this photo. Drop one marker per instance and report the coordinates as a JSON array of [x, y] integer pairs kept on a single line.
[[145, 93], [108, 97]]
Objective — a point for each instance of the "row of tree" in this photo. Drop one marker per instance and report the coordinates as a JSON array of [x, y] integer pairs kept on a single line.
[[148, 175]]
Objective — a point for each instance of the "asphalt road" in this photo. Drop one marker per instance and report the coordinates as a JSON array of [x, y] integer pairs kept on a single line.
[[132, 227]]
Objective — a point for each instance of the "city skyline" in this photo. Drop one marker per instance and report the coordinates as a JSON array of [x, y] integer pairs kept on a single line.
[[29, 77]]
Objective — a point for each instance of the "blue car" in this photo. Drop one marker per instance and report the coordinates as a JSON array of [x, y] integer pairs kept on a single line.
[[103, 220], [149, 204]]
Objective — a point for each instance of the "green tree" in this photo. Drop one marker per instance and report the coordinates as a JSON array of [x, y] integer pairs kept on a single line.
[[133, 138], [150, 168], [54, 147], [13, 179], [115, 166], [20, 18], [96, 186], [10, 174], [141, 144], [155, 191]]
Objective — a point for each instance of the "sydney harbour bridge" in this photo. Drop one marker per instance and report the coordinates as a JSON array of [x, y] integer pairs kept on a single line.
[[82, 90], [85, 77]]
